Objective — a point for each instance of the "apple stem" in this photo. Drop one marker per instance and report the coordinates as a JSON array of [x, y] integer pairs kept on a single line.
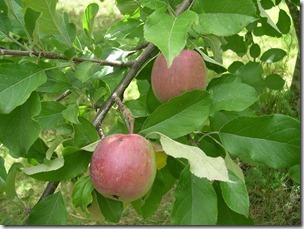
[[128, 116]]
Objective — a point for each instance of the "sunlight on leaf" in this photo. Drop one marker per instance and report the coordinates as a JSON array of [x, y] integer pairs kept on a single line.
[[173, 31], [200, 164], [52, 165]]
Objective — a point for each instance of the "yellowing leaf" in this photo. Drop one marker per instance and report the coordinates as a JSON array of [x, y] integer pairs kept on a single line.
[[200, 164], [91, 147], [161, 160], [161, 157]]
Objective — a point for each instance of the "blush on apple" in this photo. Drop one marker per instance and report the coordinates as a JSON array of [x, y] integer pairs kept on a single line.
[[123, 167], [187, 72]]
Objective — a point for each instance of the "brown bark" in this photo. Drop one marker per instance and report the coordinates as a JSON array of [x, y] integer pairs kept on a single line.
[[295, 87]]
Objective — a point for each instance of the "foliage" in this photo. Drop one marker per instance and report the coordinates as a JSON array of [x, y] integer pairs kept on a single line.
[[56, 77]]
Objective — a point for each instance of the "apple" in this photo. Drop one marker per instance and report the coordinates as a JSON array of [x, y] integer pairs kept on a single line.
[[187, 72], [123, 167]]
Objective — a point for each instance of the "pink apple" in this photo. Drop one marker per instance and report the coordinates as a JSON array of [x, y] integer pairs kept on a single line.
[[187, 72], [123, 167]]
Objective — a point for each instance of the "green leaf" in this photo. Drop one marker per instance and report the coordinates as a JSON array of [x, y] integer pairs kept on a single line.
[[201, 165], [226, 216], [137, 108], [215, 44], [46, 167], [273, 55], [68, 32], [163, 182], [49, 22], [16, 16], [17, 82], [91, 147], [83, 71], [274, 82], [267, 4], [272, 140], [222, 117], [222, 17], [111, 209], [126, 7], [284, 22], [49, 211], [3, 173], [125, 28], [10, 186], [50, 115], [82, 193], [235, 195], [232, 97], [268, 20], [31, 18], [175, 166], [237, 44], [113, 79], [233, 167], [37, 151], [85, 133], [255, 50], [88, 18], [76, 161], [210, 60], [295, 173], [180, 115], [195, 201], [3, 176], [159, 5], [223, 79], [2, 185], [56, 82], [71, 113], [251, 74], [5, 23], [296, 2], [235, 66], [169, 33], [18, 129]]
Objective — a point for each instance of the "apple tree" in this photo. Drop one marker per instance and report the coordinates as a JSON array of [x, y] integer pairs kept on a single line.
[[62, 90]]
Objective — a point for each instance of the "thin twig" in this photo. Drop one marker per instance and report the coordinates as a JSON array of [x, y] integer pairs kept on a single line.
[[141, 46], [146, 55], [50, 189], [127, 114], [51, 55], [63, 95], [138, 48]]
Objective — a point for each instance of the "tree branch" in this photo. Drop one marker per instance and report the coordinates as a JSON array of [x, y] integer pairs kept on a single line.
[[50, 189], [63, 95], [295, 86], [51, 55], [146, 55]]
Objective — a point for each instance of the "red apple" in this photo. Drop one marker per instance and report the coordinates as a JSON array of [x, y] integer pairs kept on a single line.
[[187, 72], [123, 167]]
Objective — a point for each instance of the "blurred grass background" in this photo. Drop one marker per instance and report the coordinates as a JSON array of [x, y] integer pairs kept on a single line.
[[274, 198]]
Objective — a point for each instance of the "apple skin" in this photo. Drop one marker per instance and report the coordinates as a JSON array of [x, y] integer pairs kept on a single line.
[[187, 72], [123, 167]]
